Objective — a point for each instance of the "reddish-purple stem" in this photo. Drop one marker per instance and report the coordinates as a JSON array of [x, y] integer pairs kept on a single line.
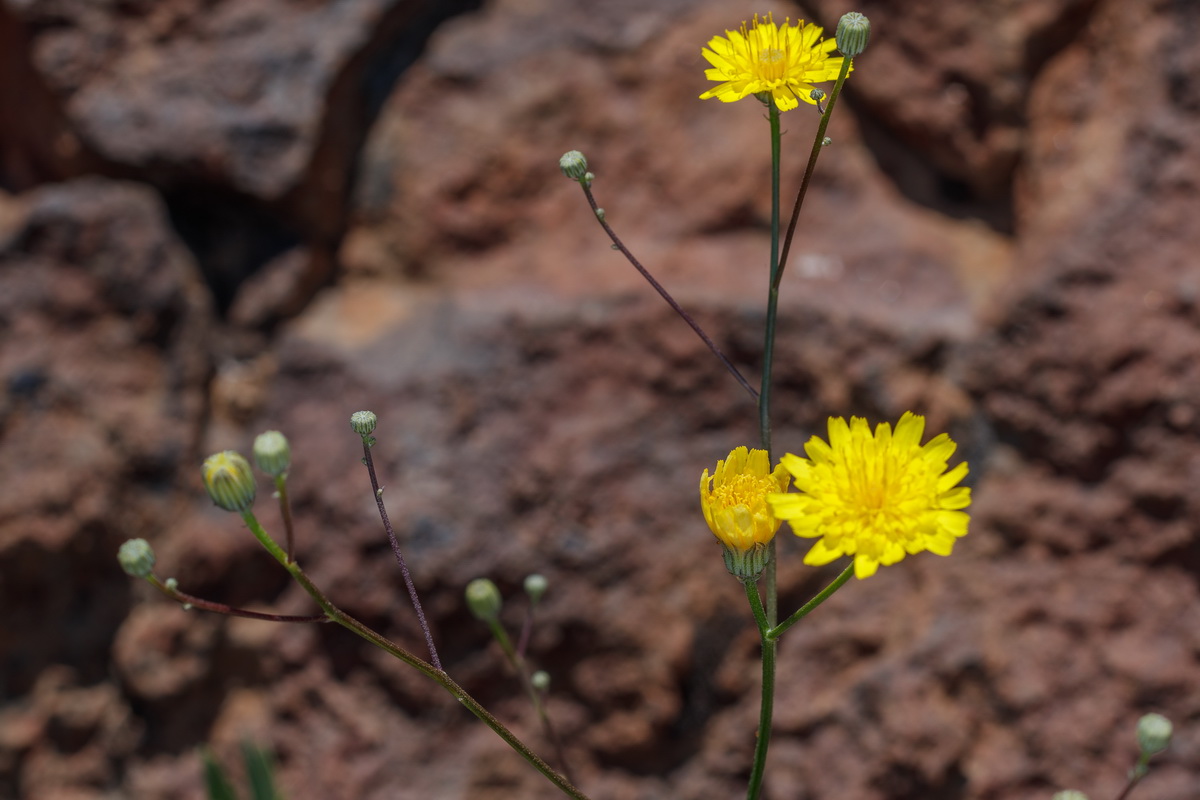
[[587, 190], [408, 581]]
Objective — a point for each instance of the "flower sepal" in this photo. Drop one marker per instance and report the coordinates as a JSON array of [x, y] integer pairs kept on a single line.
[[747, 564]]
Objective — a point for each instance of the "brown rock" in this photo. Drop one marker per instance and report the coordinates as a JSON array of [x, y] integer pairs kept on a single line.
[[541, 410]]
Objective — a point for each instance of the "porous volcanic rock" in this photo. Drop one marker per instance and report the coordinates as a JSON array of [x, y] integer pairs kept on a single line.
[[999, 236]]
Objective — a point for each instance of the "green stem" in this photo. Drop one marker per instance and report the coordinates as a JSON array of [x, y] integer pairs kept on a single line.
[[1136, 774], [767, 707], [522, 669], [777, 274], [335, 614], [766, 617], [774, 633], [764, 393]]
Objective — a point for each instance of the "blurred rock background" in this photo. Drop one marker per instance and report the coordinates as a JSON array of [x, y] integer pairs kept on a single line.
[[223, 216]]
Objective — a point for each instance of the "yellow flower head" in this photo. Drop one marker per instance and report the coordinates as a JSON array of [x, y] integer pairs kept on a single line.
[[765, 58], [875, 497], [734, 501]]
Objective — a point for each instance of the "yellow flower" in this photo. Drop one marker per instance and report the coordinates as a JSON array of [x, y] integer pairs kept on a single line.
[[877, 498], [734, 501], [768, 59]]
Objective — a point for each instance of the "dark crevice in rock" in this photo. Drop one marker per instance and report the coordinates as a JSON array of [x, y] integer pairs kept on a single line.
[[230, 235], [234, 235], [233, 231], [912, 163], [922, 181]]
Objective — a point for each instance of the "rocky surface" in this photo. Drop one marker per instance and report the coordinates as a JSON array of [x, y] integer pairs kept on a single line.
[[230, 216]]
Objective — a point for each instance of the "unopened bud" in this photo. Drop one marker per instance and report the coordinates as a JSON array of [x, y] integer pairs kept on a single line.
[[363, 422], [535, 586], [229, 480], [1153, 734], [540, 680], [817, 95], [853, 32], [483, 598], [272, 453], [573, 165], [136, 558]]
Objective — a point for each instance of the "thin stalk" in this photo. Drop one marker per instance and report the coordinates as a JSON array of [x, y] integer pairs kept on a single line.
[[766, 709], [764, 394], [391, 534], [774, 633], [522, 669], [285, 510], [766, 617], [191, 601], [808, 170], [526, 631], [1139, 771], [587, 190], [1133, 780], [340, 617]]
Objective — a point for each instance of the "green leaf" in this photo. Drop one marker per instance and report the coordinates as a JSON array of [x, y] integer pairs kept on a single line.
[[260, 773], [219, 787]]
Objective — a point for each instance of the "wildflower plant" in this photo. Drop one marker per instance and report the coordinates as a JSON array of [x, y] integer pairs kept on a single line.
[[873, 497]]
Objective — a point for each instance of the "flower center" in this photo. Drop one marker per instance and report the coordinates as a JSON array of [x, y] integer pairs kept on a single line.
[[744, 490], [877, 485]]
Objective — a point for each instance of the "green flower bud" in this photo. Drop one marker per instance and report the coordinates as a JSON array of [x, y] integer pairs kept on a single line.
[[136, 558], [540, 680], [363, 422], [483, 598], [1153, 734], [817, 95], [272, 453], [1069, 794], [229, 480], [573, 165], [853, 31], [536, 586]]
